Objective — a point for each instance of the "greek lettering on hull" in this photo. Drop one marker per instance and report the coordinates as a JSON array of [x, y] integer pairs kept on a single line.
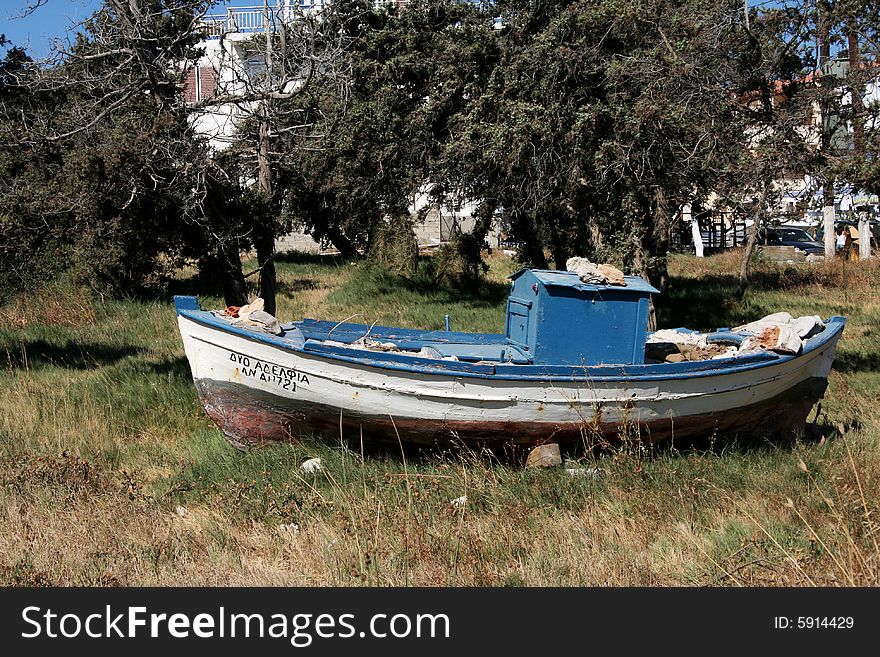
[[285, 377]]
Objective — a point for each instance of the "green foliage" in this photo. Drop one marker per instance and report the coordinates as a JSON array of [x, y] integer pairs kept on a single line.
[[587, 125], [99, 164], [458, 262], [599, 119], [410, 71], [394, 246]]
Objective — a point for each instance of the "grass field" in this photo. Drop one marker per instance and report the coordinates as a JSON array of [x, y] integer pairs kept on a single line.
[[111, 473]]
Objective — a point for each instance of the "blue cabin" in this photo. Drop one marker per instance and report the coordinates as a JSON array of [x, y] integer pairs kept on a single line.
[[560, 320]]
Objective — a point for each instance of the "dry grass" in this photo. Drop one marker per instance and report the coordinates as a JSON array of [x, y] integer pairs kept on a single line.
[[52, 306], [110, 473]]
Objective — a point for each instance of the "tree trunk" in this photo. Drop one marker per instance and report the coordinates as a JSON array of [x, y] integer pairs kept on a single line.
[[560, 250], [342, 244], [864, 237], [232, 278], [653, 246], [226, 260], [824, 33], [532, 249], [825, 127], [265, 245], [265, 233], [597, 239], [691, 218], [651, 249], [582, 241], [483, 222], [753, 238], [858, 125], [858, 106]]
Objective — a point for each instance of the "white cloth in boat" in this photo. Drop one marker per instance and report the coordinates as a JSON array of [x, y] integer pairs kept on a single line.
[[678, 337], [779, 332], [803, 327], [691, 339], [262, 320], [375, 345], [253, 316]]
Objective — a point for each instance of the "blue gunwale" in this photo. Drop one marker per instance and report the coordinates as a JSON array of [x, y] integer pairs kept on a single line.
[[188, 307]]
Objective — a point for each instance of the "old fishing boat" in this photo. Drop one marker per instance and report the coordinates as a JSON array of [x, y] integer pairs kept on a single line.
[[576, 360]]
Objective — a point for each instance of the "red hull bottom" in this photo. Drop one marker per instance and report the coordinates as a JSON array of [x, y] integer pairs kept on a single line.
[[251, 418]]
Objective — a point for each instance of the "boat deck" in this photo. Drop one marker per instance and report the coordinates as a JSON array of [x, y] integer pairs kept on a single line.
[[468, 347]]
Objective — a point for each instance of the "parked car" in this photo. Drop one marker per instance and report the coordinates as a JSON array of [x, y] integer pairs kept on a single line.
[[791, 236]]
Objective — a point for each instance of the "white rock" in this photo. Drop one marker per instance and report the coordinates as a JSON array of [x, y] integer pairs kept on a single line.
[[587, 271], [181, 511], [583, 472], [311, 466], [291, 529], [612, 274]]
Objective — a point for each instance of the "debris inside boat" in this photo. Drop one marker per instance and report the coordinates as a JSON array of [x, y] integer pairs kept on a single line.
[[779, 332]]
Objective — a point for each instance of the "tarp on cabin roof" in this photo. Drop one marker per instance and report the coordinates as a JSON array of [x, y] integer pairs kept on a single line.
[[559, 278]]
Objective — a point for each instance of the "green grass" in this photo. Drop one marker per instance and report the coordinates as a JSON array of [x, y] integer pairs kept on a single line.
[[391, 300], [111, 473]]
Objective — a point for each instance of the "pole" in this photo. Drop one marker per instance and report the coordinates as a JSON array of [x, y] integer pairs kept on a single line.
[[828, 220], [864, 237], [687, 215]]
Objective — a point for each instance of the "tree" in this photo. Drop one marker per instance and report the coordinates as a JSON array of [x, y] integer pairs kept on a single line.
[[20, 259], [858, 105], [135, 185], [107, 175], [845, 72], [411, 72], [600, 120], [776, 98]]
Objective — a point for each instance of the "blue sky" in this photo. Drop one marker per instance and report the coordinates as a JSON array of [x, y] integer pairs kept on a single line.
[[52, 20]]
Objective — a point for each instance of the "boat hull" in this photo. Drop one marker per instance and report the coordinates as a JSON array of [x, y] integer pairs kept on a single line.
[[258, 393], [248, 419]]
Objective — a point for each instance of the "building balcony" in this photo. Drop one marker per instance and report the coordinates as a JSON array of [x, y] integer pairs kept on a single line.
[[253, 19]]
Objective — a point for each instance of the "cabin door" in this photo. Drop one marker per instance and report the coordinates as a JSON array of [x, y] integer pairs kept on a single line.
[[518, 314]]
